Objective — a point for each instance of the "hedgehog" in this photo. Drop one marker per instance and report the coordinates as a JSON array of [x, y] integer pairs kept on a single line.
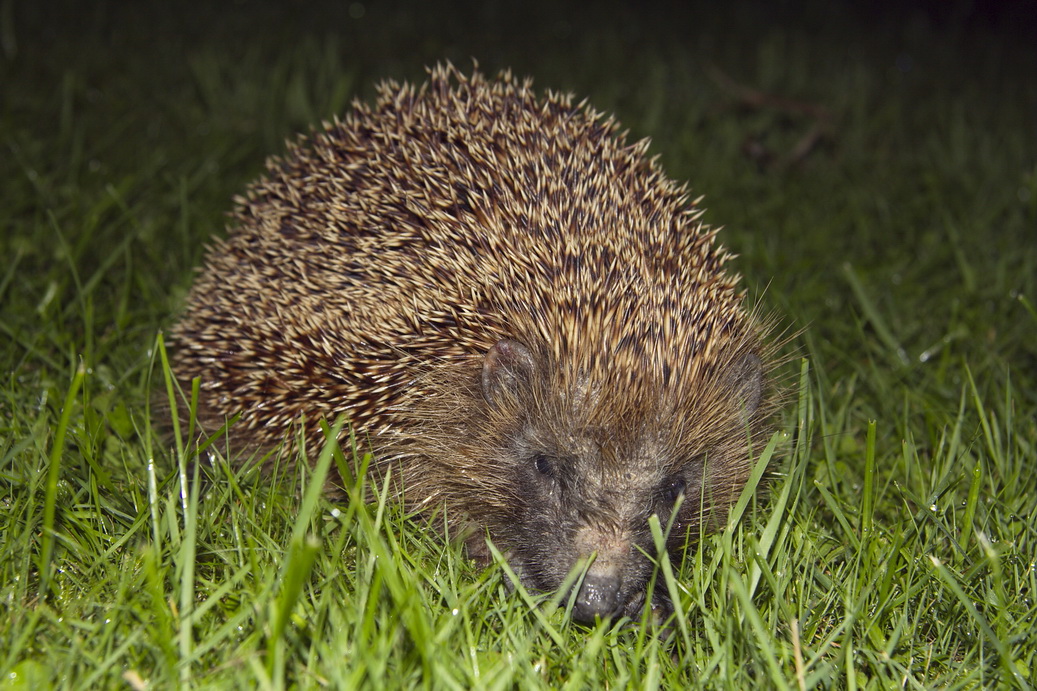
[[525, 318]]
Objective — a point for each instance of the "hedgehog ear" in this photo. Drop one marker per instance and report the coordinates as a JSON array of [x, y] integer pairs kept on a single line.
[[746, 379], [507, 367]]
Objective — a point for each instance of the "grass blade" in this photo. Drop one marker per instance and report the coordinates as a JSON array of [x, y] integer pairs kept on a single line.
[[53, 473]]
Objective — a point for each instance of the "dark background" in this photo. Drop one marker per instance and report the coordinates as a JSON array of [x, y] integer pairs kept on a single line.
[[176, 105]]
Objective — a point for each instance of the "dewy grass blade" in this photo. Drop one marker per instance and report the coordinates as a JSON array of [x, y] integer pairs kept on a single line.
[[1004, 654], [764, 637], [297, 566], [528, 599], [186, 565], [171, 394], [302, 551], [868, 500], [873, 315], [53, 473], [971, 502], [753, 483]]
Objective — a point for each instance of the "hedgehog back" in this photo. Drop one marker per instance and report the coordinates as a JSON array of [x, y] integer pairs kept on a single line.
[[415, 234]]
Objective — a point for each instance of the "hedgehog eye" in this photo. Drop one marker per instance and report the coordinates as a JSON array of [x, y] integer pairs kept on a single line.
[[673, 488], [544, 465]]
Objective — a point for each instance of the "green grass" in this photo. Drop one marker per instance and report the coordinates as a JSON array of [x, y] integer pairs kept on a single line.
[[896, 543]]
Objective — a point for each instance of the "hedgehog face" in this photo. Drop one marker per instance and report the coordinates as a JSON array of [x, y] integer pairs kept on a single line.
[[586, 489], [585, 502]]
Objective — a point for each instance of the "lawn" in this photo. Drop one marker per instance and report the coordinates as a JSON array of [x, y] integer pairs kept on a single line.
[[876, 173]]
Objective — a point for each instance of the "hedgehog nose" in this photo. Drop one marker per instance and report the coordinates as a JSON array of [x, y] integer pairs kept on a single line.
[[598, 597]]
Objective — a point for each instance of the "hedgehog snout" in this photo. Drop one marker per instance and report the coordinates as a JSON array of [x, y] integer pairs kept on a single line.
[[598, 596], [610, 550]]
